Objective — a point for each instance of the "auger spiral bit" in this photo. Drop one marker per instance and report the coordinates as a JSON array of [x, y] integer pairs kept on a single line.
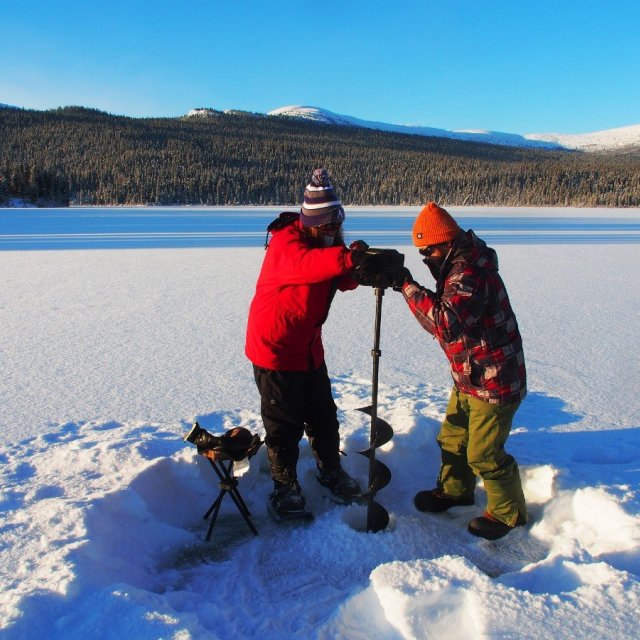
[[377, 517], [381, 432]]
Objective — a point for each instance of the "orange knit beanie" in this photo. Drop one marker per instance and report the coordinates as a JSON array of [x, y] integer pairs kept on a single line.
[[434, 225]]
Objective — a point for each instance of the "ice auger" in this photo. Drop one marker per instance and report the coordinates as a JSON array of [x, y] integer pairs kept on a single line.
[[381, 433]]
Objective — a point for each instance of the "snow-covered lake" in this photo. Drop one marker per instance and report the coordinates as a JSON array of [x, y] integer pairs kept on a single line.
[[108, 355]]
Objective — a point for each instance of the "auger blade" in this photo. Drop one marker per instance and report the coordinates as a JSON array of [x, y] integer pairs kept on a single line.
[[377, 517], [379, 477], [383, 430], [379, 473]]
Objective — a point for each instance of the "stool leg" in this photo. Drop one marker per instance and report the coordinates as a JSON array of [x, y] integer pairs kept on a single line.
[[228, 485], [242, 508], [215, 508], [236, 497], [215, 505]]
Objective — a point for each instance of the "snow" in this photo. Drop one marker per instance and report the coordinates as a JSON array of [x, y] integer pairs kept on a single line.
[[597, 141], [109, 355], [203, 112], [19, 203]]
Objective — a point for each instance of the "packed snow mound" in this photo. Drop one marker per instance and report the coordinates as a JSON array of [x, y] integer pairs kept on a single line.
[[598, 141], [117, 534]]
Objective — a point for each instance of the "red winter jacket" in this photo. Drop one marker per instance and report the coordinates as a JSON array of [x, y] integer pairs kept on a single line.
[[471, 317], [293, 295]]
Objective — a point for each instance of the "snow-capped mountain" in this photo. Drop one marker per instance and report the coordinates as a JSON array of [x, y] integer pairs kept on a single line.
[[206, 112], [203, 112], [596, 141]]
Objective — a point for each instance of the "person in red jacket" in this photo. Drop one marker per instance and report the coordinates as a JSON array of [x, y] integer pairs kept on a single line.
[[470, 315], [305, 264]]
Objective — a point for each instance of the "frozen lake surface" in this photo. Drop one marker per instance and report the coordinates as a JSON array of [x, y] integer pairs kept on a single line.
[[184, 227], [108, 356]]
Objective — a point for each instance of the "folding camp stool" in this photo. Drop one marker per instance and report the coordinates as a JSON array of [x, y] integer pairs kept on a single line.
[[222, 464]]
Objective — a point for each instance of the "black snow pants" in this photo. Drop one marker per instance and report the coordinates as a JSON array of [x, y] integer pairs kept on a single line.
[[294, 403]]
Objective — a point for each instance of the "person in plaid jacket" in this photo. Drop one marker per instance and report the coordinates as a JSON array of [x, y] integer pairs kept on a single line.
[[470, 315]]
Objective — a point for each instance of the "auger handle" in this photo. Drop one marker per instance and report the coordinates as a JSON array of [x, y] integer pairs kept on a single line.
[[376, 355]]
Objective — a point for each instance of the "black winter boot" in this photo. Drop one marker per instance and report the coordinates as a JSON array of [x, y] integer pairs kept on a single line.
[[435, 501], [288, 503], [490, 528], [340, 483]]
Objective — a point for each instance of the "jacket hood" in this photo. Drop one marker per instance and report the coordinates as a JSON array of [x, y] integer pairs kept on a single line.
[[472, 249]]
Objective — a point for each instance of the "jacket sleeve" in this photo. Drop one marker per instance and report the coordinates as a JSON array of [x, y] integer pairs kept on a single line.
[[457, 309], [295, 262]]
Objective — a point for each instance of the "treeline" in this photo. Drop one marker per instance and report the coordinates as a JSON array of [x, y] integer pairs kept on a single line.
[[82, 156]]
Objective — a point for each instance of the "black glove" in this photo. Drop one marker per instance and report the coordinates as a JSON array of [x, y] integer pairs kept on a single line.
[[368, 269], [375, 267], [369, 262], [357, 248], [358, 245], [399, 277], [380, 280]]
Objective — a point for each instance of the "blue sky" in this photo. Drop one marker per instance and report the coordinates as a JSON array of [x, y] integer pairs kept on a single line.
[[547, 66]]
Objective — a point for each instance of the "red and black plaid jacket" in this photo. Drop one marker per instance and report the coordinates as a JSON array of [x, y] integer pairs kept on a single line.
[[471, 317]]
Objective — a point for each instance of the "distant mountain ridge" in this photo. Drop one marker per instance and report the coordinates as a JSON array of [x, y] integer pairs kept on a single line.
[[621, 138], [79, 156], [597, 141]]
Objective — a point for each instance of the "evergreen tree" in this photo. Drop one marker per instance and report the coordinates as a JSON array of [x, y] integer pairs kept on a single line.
[[87, 157]]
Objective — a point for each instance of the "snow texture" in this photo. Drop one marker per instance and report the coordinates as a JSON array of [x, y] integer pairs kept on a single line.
[[109, 355]]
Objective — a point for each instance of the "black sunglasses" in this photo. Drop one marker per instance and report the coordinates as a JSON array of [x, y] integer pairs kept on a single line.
[[427, 251], [331, 226]]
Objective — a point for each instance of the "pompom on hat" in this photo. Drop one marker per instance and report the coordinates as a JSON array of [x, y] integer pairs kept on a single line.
[[434, 225], [321, 205]]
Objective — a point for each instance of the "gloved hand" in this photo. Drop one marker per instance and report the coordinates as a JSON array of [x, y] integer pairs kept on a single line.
[[375, 267], [368, 269], [399, 277], [381, 280], [358, 245], [369, 262]]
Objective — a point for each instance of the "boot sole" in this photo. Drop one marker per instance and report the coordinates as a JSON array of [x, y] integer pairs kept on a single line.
[[301, 514], [498, 531], [345, 502]]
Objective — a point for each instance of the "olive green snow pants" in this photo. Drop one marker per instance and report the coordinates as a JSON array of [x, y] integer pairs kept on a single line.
[[471, 440]]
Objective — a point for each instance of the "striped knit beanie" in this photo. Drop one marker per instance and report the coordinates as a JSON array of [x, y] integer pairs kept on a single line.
[[321, 205], [434, 225]]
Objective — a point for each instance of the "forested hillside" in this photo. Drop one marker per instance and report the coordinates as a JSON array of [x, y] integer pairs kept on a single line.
[[81, 156]]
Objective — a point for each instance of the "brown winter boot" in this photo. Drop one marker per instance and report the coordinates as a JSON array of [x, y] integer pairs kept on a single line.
[[435, 501], [490, 528]]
